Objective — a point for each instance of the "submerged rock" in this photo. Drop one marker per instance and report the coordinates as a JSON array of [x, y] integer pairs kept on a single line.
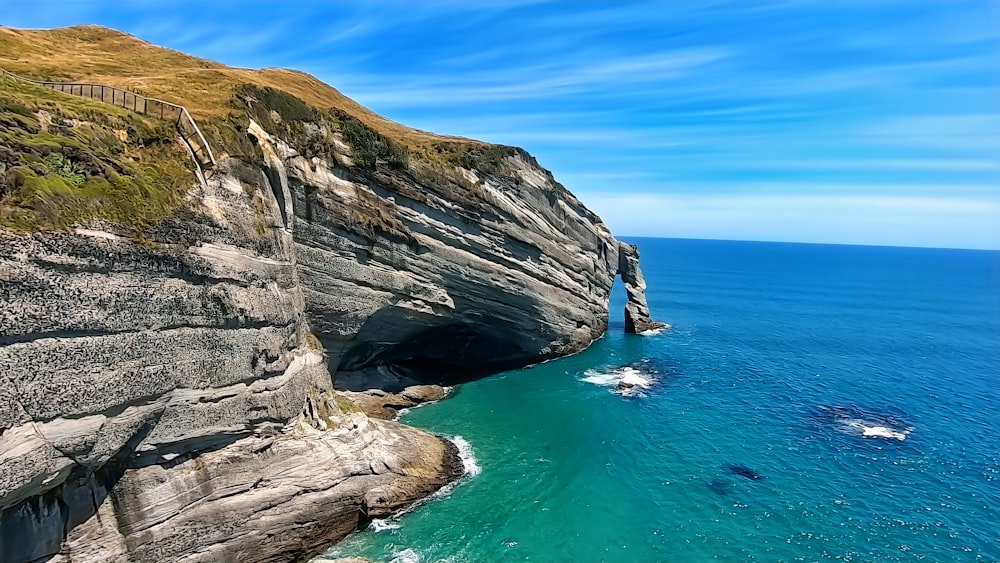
[[742, 471]]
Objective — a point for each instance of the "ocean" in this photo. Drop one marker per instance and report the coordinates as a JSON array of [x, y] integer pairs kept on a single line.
[[810, 403]]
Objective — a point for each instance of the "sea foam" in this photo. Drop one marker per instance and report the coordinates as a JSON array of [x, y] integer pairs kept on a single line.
[[654, 331], [383, 524], [627, 381], [873, 430], [467, 456], [405, 556], [859, 422]]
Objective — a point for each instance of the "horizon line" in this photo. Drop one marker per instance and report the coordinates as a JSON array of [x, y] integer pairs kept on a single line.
[[813, 243]]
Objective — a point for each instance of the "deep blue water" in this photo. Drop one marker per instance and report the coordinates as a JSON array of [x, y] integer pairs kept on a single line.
[[780, 357]]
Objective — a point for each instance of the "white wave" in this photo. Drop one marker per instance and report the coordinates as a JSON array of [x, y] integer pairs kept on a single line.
[[383, 524], [603, 378], [636, 378], [405, 556], [627, 381], [467, 456], [883, 432], [872, 429], [654, 331]]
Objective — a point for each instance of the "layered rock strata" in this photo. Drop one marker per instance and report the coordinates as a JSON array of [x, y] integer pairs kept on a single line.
[[453, 283], [637, 317], [165, 398]]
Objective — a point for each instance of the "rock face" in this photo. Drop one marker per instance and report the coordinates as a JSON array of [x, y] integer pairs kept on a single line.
[[515, 273], [636, 310], [164, 398]]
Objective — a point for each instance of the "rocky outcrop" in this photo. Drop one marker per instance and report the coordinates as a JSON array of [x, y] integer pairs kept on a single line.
[[636, 310], [384, 405], [171, 396]]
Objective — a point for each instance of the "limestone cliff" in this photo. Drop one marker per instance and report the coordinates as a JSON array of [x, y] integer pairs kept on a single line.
[[162, 399], [518, 273], [167, 386]]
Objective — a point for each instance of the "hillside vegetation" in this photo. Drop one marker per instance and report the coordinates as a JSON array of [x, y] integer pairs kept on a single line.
[[64, 159]]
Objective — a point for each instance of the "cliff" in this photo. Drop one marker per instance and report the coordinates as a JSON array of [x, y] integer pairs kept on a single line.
[[170, 344]]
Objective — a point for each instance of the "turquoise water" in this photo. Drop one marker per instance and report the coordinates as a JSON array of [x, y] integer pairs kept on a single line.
[[781, 356]]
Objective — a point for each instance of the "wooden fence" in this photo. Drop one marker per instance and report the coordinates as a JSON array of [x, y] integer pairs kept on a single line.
[[138, 103]]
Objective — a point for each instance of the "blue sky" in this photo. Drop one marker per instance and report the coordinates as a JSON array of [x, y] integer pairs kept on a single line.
[[867, 122]]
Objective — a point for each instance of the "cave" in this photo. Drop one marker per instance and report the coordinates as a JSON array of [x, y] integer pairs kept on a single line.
[[443, 355]]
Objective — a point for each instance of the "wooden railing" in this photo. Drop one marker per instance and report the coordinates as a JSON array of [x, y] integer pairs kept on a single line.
[[138, 103]]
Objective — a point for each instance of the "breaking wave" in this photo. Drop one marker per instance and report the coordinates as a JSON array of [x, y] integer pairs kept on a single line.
[[383, 524], [867, 424], [654, 331], [627, 381], [467, 456]]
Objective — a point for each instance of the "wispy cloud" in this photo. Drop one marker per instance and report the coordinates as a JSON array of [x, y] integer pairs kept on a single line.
[[533, 81], [871, 121]]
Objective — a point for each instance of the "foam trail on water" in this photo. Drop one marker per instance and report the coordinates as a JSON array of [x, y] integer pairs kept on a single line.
[[405, 556], [858, 422]]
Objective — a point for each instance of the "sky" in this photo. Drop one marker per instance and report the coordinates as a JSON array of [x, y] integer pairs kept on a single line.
[[857, 122]]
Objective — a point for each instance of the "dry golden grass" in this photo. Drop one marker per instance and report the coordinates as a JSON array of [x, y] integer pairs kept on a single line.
[[98, 55], [67, 160], [407, 160]]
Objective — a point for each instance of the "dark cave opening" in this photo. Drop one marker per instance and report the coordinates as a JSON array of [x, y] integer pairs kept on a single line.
[[441, 355]]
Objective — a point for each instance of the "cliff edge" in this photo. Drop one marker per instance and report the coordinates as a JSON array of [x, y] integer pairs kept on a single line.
[[171, 345]]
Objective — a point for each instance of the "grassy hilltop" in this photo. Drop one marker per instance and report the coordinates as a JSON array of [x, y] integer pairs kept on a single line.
[[65, 159]]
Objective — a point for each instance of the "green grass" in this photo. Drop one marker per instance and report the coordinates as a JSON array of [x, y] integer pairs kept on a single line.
[[66, 160], [103, 141]]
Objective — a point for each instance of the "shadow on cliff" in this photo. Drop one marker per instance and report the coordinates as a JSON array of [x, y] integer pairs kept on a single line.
[[492, 332], [48, 518]]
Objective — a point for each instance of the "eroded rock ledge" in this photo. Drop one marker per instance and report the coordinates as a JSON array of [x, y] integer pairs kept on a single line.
[[385, 405]]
